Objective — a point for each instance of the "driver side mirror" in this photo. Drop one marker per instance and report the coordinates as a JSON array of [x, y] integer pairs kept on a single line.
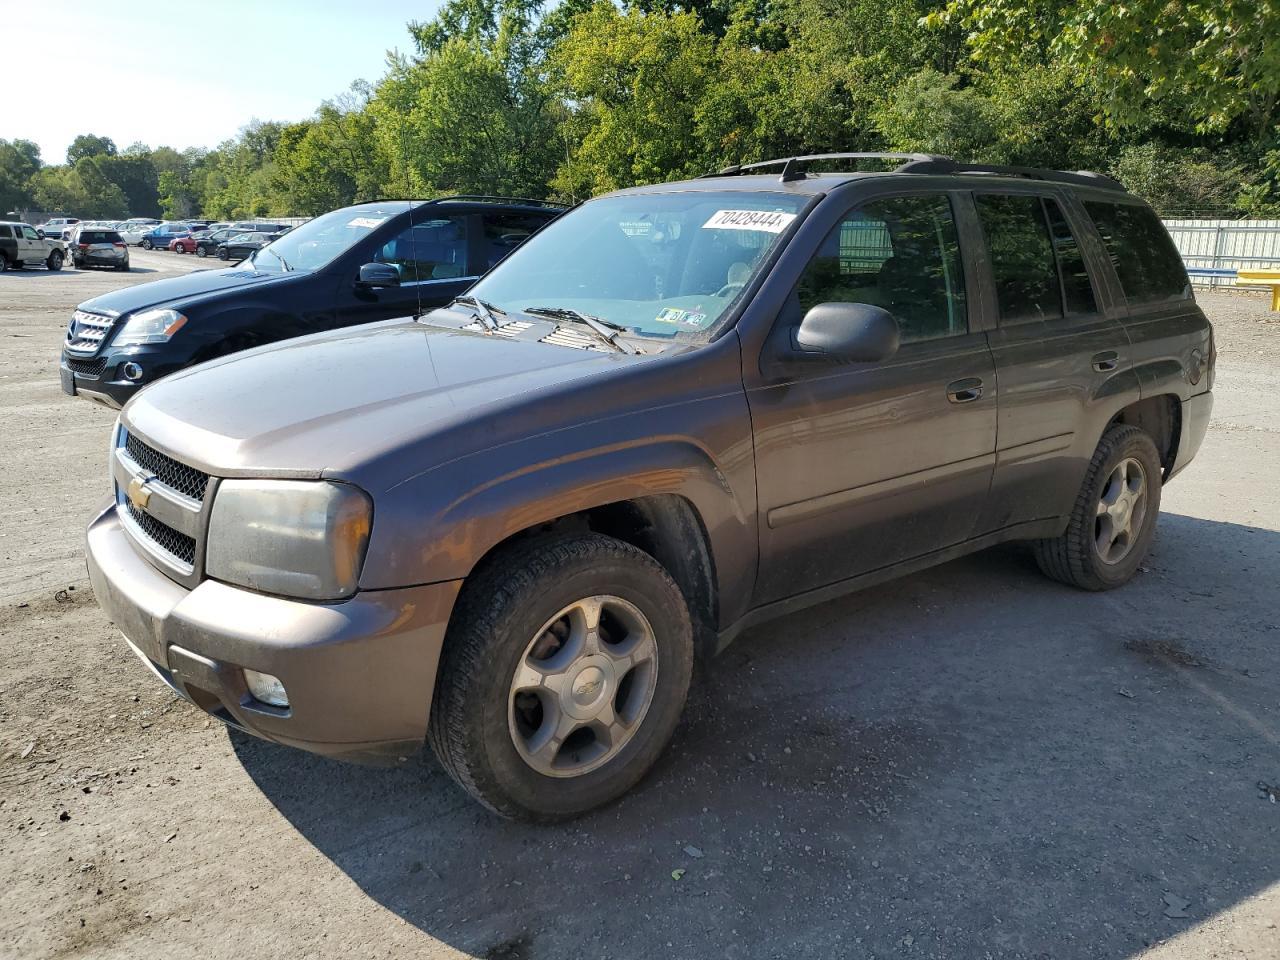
[[40, 234], [375, 275], [856, 332]]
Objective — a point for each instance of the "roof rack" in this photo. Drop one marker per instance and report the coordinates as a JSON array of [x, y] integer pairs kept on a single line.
[[791, 165], [945, 165], [925, 163], [467, 198]]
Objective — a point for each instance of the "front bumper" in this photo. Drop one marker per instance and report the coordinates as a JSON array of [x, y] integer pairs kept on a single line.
[[359, 674]]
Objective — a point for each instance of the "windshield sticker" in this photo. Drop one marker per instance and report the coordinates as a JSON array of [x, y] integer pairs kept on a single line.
[[768, 221], [367, 223], [684, 318]]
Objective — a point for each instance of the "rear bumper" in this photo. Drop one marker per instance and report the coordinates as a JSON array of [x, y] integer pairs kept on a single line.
[[1195, 422], [359, 674]]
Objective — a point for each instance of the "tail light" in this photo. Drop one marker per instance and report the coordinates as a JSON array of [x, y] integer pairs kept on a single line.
[[117, 243], [84, 246]]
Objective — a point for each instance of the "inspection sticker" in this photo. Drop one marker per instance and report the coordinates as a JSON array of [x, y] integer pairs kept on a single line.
[[368, 223], [686, 318], [769, 221]]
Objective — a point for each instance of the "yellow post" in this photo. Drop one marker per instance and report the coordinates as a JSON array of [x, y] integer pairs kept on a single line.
[[1275, 299]]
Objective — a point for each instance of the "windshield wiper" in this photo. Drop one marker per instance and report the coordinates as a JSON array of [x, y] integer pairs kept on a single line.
[[283, 262], [606, 330], [484, 311]]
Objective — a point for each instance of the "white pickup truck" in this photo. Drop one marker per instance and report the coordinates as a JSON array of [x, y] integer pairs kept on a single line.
[[21, 245]]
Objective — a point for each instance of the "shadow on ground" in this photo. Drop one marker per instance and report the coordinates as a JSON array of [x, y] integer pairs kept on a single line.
[[32, 273], [973, 760]]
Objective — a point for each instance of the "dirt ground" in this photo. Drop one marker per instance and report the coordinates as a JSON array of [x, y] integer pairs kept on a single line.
[[970, 762]]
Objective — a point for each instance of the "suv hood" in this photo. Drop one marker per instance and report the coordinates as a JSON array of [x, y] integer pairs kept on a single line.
[[164, 292], [330, 403]]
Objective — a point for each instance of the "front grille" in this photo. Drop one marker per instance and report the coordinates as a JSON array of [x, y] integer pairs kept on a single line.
[[87, 331], [88, 368], [178, 476], [169, 540]]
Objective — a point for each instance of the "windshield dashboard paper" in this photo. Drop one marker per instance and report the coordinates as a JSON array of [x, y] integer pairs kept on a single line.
[[767, 220]]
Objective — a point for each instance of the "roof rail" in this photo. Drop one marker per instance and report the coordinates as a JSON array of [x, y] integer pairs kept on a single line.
[[466, 198], [945, 165], [790, 165], [925, 163]]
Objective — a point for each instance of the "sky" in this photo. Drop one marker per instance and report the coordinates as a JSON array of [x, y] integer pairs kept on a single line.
[[185, 74]]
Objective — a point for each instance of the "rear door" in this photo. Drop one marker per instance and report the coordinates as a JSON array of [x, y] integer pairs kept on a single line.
[[864, 465], [1060, 351]]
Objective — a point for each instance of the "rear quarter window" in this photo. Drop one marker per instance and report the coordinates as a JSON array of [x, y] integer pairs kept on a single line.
[[1146, 261], [6, 233]]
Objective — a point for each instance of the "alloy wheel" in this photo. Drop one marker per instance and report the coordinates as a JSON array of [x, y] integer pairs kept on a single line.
[[583, 686], [1122, 508]]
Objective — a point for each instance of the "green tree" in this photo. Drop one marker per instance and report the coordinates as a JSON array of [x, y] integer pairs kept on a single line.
[[333, 159], [469, 114], [19, 161], [89, 145], [1218, 61]]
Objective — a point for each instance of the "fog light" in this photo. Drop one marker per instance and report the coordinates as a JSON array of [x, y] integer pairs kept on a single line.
[[266, 688], [131, 371]]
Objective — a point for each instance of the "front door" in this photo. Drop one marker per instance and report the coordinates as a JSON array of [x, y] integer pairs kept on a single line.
[[29, 245], [860, 465], [431, 257]]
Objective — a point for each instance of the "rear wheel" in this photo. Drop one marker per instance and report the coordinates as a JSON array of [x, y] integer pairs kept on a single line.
[[563, 677], [5, 263], [223, 254], [1114, 518], [146, 244]]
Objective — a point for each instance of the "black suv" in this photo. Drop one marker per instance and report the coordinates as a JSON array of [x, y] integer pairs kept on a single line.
[[372, 261]]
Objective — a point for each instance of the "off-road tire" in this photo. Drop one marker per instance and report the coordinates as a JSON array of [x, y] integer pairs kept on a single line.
[[1072, 558], [501, 609]]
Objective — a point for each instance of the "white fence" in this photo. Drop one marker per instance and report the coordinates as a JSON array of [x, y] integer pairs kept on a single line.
[[1226, 245]]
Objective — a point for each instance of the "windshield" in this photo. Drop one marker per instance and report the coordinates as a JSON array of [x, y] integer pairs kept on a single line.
[[658, 264], [317, 242]]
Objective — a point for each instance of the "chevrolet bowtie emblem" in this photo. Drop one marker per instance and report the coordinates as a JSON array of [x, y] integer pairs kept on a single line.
[[139, 493]]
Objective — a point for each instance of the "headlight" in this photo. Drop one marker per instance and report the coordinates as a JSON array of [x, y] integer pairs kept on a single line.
[[296, 538], [150, 326]]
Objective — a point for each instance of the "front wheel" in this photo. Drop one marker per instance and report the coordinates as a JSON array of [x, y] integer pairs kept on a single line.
[[201, 252], [55, 260], [564, 674], [1114, 518], [223, 254]]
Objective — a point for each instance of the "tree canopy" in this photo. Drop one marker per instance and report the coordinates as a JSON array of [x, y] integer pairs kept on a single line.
[[513, 97]]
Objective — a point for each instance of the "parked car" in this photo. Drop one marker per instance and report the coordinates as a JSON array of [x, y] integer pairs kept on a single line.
[[369, 262], [187, 242], [509, 527], [144, 220], [56, 227], [21, 245], [134, 233], [206, 244], [258, 226], [160, 236], [97, 247], [241, 245]]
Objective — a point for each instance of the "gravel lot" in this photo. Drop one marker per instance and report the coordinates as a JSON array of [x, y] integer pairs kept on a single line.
[[970, 762]]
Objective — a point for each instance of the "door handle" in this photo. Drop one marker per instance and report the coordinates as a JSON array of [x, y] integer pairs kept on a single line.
[[964, 391], [1106, 361]]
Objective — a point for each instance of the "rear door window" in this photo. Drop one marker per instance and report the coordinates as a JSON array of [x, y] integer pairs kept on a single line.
[[1022, 257], [1077, 291], [433, 249], [1146, 261], [900, 253], [503, 232]]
